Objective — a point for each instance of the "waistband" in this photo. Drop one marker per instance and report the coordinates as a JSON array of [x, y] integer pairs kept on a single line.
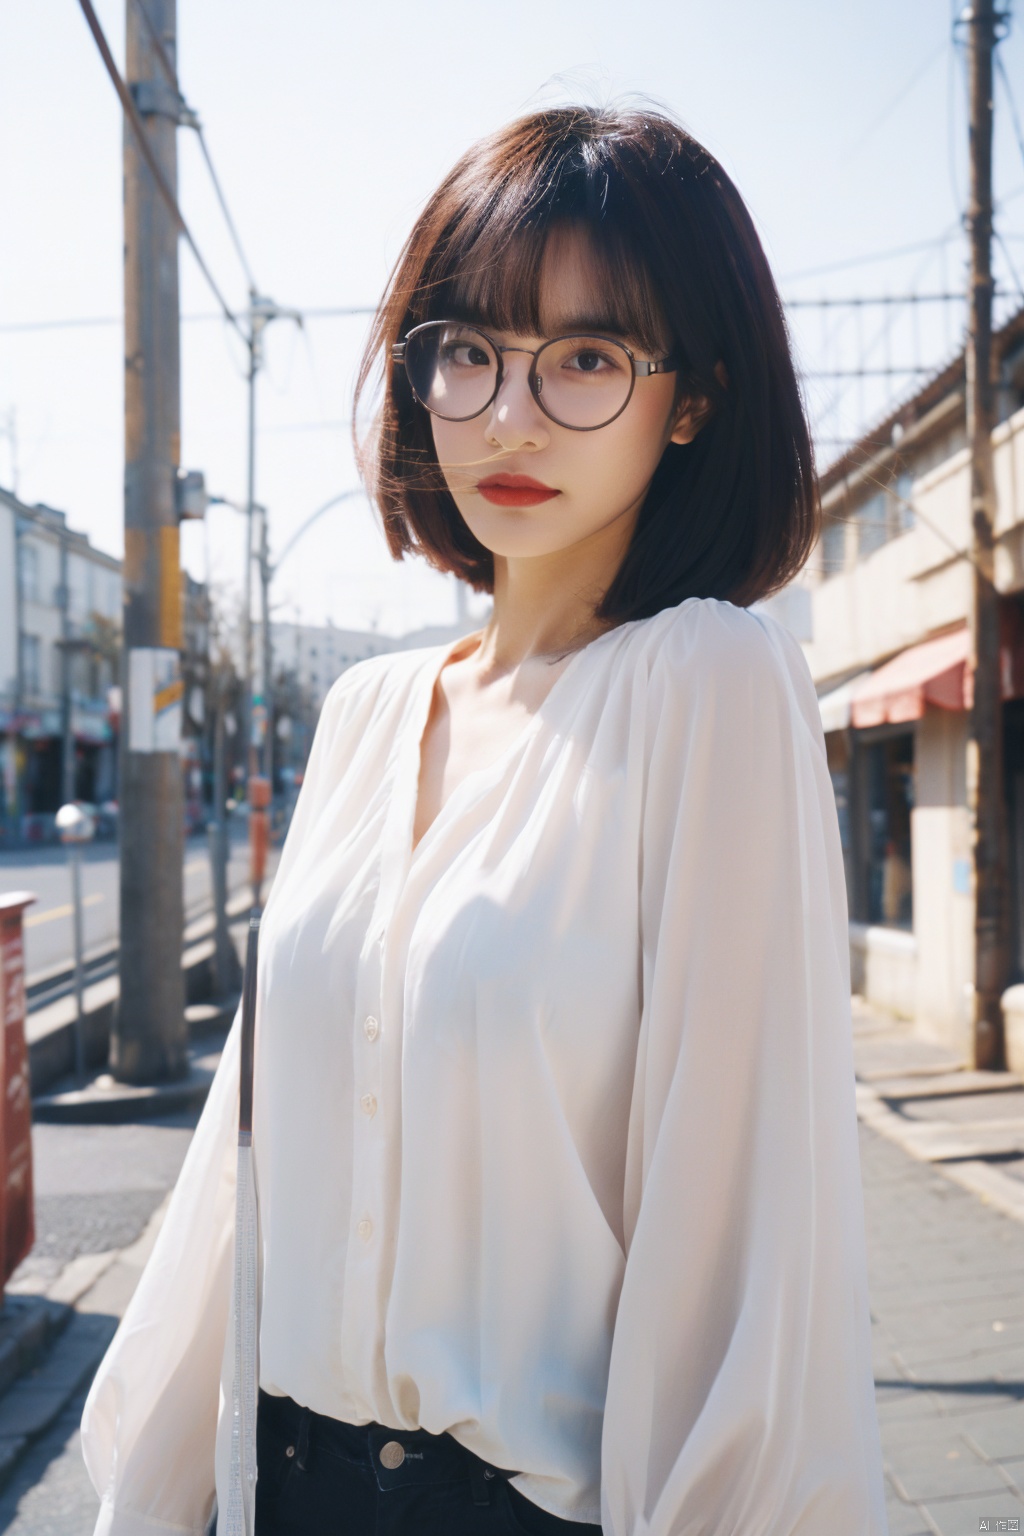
[[397, 1458]]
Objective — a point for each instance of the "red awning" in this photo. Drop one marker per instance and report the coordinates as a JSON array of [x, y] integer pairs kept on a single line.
[[934, 672]]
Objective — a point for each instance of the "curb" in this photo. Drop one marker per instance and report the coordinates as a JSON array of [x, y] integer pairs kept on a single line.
[[50, 1030], [105, 1101], [988, 1183]]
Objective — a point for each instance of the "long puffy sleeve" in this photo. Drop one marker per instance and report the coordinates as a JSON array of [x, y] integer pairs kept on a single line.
[[740, 1398], [154, 1429]]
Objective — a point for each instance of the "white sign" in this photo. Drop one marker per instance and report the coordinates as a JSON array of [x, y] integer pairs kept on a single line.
[[155, 691]]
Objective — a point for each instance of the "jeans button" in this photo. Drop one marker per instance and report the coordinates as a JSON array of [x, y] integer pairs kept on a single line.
[[392, 1455]]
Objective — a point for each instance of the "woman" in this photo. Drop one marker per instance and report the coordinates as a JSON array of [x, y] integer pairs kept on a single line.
[[554, 1124]]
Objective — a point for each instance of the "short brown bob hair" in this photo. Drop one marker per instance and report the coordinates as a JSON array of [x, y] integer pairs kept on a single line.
[[734, 513]]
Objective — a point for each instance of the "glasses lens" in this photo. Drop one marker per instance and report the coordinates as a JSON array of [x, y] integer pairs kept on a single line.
[[584, 380], [453, 369]]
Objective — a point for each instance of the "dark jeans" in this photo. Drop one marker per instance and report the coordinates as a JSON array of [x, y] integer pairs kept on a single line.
[[320, 1477]]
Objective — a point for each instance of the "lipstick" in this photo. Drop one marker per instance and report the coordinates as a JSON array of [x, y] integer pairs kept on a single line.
[[515, 491]]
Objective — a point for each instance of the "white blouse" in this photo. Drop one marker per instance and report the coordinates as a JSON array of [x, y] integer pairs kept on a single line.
[[554, 1117]]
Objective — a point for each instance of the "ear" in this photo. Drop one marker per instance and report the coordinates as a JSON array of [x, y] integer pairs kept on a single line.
[[696, 410], [693, 413]]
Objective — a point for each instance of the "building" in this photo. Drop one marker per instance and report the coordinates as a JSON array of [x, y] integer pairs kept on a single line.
[[315, 656], [60, 618], [888, 594], [60, 656]]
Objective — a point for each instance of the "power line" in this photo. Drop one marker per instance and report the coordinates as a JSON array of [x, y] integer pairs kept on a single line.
[[191, 120], [225, 210], [347, 311], [878, 299], [1009, 262], [953, 232], [897, 100], [1014, 119], [145, 149], [83, 322], [867, 373], [864, 261]]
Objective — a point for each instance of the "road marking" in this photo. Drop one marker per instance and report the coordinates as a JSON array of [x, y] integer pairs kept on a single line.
[[48, 916]]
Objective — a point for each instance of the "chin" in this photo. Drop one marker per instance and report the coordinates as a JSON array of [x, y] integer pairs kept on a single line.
[[513, 532]]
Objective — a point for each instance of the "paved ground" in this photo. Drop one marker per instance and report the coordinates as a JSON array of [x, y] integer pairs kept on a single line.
[[97, 1187], [50, 1494], [947, 1293], [44, 871], [947, 1297]]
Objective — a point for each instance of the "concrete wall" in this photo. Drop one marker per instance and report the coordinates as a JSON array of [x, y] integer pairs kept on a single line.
[[943, 906], [919, 582], [883, 967]]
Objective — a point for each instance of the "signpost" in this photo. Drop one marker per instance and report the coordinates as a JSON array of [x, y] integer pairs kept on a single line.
[[77, 827]]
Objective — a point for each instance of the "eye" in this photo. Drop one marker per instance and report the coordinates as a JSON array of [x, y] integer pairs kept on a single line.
[[591, 360], [465, 354]]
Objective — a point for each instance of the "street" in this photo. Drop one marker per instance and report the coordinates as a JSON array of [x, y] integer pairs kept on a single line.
[[48, 925]]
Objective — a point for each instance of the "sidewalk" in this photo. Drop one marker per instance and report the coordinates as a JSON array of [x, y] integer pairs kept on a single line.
[[942, 1153], [943, 1165], [101, 1191]]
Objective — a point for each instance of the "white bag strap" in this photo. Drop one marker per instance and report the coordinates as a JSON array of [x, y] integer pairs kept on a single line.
[[241, 1509]]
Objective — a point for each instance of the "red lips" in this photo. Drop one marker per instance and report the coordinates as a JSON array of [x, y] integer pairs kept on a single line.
[[515, 491]]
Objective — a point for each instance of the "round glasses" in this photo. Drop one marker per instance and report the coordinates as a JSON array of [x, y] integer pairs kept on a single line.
[[581, 382]]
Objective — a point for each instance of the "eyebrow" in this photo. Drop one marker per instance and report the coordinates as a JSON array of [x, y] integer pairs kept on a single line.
[[567, 325], [602, 324]]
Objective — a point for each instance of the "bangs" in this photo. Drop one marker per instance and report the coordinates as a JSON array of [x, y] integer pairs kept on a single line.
[[493, 276]]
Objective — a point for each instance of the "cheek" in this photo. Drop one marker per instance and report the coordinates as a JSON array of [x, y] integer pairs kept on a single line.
[[633, 445], [457, 442]]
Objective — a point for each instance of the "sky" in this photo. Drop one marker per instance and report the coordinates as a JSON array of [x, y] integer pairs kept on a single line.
[[330, 123]]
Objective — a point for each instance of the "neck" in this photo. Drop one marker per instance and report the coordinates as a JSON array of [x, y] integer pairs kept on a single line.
[[544, 606]]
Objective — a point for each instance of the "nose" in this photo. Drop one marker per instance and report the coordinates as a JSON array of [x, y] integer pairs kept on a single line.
[[515, 420]]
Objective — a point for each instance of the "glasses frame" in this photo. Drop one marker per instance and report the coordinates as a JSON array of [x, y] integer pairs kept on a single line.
[[640, 368]]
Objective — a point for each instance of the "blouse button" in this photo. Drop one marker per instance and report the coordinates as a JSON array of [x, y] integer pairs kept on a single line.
[[364, 1229], [371, 1029], [369, 1104]]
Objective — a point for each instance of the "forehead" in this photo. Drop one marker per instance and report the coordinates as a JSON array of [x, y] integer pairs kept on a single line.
[[546, 283], [574, 291]]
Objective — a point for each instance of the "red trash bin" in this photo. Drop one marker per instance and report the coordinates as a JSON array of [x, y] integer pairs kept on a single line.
[[17, 1216]]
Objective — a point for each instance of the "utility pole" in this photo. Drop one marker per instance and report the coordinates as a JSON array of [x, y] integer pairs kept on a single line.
[[67, 745], [225, 961], [266, 572], [261, 312], [985, 791], [14, 775], [255, 359], [149, 1040]]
